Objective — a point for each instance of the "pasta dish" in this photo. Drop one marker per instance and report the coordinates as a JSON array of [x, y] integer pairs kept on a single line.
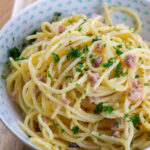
[[83, 84]]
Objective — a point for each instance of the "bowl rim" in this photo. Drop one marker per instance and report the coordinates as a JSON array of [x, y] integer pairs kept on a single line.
[[26, 142]]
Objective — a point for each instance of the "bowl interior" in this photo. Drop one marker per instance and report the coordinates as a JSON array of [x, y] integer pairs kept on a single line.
[[13, 33]]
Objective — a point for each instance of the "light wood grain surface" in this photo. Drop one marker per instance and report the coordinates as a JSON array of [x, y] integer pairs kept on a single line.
[[7, 140]]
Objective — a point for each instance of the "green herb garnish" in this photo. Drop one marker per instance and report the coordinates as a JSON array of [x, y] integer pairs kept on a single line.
[[55, 57], [95, 39], [135, 120], [146, 84], [85, 48], [137, 76], [3, 76], [118, 52], [49, 75], [57, 15], [75, 130], [109, 62], [74, 53], [126, 115]]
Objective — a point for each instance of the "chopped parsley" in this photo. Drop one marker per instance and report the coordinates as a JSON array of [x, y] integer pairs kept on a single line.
[[91, 55], [139, 46], [55, 57], [49, 75], [79, 29], [75, 130], [57, 15], [137, 76], [117, 124], [80, 65], [119, 46], [131, 143], [85, 48], [109, 109], [146, 84], [14, 52], [109, 63], [55, 123], [68, 76], [95, 39], [84, 91], [3, 76], [99, 134], [74, 53], [100, 108], [77, 84], [105, 45], [69, 31], [126, 115], [118, 70], [89, 34], [141, 60], [8, 63], [124, 74], [79, 70], [130, 28], [135, 120], [118, 52]]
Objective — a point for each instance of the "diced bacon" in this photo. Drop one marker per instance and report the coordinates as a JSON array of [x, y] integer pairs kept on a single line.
[[135, 95], [61, 28], [116, 134], [134, 83], [36, 126], [48, 99], [13, 95], [95, 15], [65, 101], [113, 125], [35, 90], [41, 78], [98, 61], [130, 60], [99, 46], [93, 77], [45, 118]]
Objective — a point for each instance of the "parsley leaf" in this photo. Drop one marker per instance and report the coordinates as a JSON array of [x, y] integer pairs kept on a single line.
[[55, 57], [119, 46], [146, 84], [14, 52], [57, 15], [79, 29], [118, 70], [99, 108], [109, 109], [3, 76], [74, 53], [89, 34], [68, 76], [118, 52], [75, 130], [85, 48], [80, 65], [95, 39], [109, 63], [49, 75], [137, 76], [55, 123], [117, 124], [135, 120], [126, 115]]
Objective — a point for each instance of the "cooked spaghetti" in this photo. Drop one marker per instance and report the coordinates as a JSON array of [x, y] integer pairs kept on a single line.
[[84, 84]]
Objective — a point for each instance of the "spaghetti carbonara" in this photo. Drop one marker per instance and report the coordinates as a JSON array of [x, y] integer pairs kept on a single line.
[[83, 84]]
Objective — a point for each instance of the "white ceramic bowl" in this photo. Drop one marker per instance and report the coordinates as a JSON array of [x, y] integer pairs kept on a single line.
[[30, 19]]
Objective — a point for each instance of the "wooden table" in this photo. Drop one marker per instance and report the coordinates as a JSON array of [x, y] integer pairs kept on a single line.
[[7, 140]]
